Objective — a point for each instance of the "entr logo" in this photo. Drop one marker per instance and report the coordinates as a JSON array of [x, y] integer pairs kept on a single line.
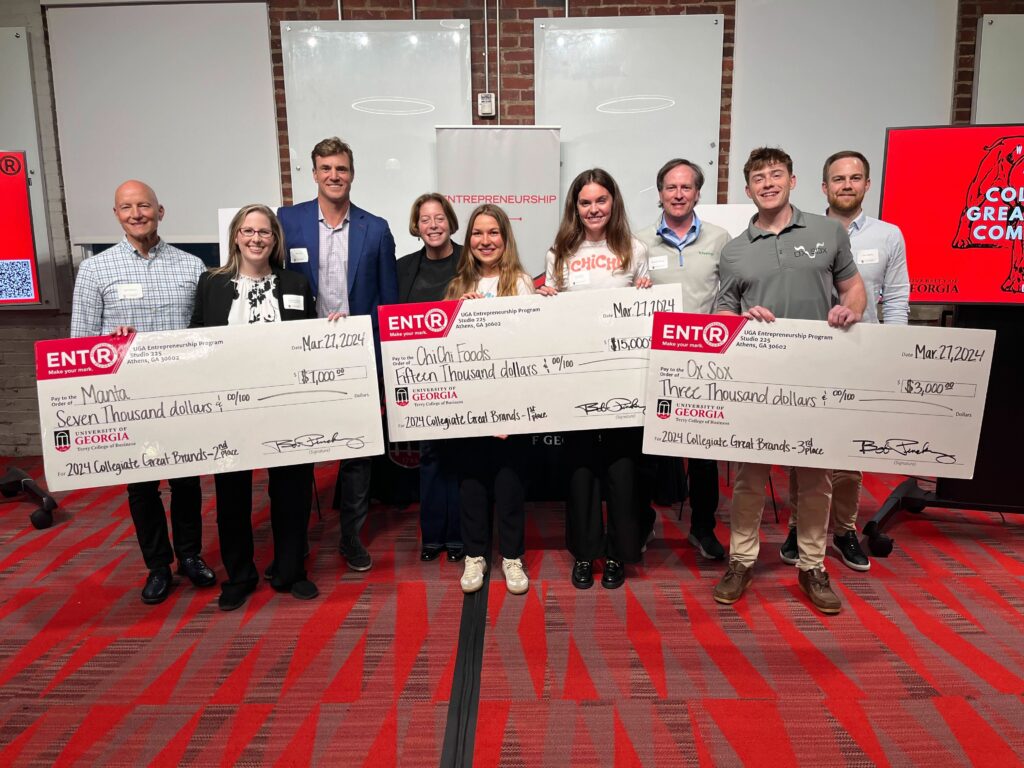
[[62, 440], [432, 320], [102, 355], [664, 408], [401, 395], [714, 334]]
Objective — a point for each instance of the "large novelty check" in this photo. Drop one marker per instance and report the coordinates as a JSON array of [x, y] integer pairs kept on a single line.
[[177, 403], [900, 399], [523, 364]]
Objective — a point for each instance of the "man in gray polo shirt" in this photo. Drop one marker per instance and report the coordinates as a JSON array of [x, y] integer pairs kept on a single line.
[[786, 264], [684, 250], [881, 258]]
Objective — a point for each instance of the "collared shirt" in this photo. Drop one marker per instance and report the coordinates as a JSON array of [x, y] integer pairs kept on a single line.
[[792, 273], [669, 235], [333, 287], [120, 286], [696, 273], [881, 257]]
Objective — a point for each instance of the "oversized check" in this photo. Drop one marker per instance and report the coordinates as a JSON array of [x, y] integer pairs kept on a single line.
[[177, 403], [883, 398], [519, 364]]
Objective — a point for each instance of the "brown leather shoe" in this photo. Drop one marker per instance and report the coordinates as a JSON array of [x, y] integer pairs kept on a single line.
[[735, 581], [816, 586]]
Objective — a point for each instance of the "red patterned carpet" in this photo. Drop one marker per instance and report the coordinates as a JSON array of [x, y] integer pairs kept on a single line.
[[924, 667], [91, 676]]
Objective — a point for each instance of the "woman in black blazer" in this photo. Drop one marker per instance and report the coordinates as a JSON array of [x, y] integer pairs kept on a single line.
[[254, 287]]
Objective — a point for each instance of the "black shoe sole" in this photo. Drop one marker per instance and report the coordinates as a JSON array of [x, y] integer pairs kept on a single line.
[[157, 600], [613, 584], [583, 584]]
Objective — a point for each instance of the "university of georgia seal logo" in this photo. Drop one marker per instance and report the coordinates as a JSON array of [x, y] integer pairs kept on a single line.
[[62, 439], [401, 396], [664, 408]]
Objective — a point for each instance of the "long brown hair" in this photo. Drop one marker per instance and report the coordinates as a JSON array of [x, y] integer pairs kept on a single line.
[[234, 252], [571, 233], [510, 269]]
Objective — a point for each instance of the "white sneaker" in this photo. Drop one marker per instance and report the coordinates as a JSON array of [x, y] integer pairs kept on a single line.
[[515, 577], [473, 575]]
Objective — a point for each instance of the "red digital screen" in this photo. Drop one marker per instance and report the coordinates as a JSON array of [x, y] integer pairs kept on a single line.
[[19, 276], [956, 192]]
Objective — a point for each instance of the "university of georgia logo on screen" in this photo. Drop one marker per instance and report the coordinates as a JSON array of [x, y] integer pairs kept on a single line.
[[664, 408], [62, 439], [993, 212], [401, 395]]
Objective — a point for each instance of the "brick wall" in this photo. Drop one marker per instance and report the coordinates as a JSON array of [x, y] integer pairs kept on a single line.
[[19, 330]]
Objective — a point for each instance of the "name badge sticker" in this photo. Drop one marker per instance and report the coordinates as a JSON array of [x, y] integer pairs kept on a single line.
[[129, 291], [657, 262], [867, 256], [293, 301], [298, 255], [579, 278]]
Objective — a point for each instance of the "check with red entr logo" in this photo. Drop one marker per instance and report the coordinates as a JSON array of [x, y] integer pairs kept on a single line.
[[519, 364], [177, 403], [881, 398]]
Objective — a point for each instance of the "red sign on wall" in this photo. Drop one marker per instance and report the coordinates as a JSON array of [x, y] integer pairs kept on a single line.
[[958, 196], [19, 276]]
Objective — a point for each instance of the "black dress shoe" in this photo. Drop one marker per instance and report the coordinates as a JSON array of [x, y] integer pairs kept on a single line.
[[304, 590], [430, 552], [198, 571], [158, 586], [583, 574], [455, 554], [233, 596], [614, 575]]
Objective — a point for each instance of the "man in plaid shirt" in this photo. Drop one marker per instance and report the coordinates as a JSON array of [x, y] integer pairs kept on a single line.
[[144, 284]]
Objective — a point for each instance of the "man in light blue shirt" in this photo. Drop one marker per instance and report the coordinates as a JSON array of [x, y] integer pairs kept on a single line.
[[881, 257], [144, 284]]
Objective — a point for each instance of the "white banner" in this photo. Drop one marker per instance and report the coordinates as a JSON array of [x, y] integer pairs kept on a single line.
[[515, 168], [519, 364], [880, 398], [193, 402]]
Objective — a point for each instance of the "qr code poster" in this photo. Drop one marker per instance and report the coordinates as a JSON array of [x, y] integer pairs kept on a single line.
[[19, 277]]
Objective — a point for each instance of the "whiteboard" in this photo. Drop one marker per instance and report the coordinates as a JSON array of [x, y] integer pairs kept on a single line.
[[819, 76], [998, 81], [409, 76], [18, 132], [631, 93], [178, 96]]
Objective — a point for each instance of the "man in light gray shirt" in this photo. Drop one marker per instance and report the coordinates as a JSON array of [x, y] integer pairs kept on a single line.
[[881, 257]]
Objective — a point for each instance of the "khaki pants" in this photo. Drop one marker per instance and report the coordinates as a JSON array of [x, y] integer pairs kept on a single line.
[[748, 493], [846, 485]]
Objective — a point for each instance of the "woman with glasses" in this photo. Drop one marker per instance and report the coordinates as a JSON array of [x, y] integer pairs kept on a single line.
[[424, 275], [253, 287]]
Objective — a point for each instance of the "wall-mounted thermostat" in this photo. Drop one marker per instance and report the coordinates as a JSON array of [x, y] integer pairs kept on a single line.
[[485, 104]]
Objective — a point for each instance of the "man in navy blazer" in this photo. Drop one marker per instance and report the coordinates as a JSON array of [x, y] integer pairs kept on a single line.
[[348, 256]]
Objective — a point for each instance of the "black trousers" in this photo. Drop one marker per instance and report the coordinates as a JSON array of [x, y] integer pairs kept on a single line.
[[490, 471], [147, 511], [700, 485], [440, 520], [352, 495], [291, 494], [603, 461]]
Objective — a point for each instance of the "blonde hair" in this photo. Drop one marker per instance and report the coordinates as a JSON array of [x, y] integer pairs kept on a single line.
[[235, 253], [571, 233], [510, 269]]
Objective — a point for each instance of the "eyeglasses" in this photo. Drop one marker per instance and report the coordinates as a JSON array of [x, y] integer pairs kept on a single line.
[[266, 234]]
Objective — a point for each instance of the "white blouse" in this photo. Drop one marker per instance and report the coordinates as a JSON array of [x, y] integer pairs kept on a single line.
[[256, 300]]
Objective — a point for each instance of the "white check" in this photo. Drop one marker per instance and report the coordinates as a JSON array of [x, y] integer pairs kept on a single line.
[[883, 398], [519, 364], [178, 403]]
